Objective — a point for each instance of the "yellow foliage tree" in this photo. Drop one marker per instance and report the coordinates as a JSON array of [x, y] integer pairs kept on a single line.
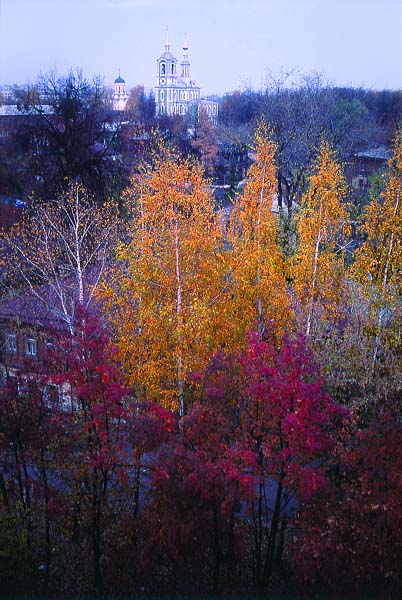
[[323, 227], [167, 291], [259, 293], [378, 261]]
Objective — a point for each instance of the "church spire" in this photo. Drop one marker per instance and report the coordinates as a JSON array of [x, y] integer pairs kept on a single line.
[[185, 65], [167, 43]]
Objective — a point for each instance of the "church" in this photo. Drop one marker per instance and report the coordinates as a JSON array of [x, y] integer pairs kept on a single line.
[[175, 92], [120, 96]]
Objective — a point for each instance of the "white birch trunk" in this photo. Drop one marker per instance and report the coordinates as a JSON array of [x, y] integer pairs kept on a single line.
[[384, 287], [314, 279], [179, 358]]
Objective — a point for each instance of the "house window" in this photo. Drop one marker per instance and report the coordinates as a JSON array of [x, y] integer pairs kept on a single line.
[[11, 343], [30, 347], [51, 393]]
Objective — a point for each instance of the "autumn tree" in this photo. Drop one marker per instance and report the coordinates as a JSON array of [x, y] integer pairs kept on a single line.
[[378, 260], [282, 416], [361, 361], [15, 486], [300, 110], [300, 114], [323, 230], [204, 141], [140, 106], [31, 438], [166, 293], [58, 251], [349, 535], [258, 269], [81, 363], [199, 484]]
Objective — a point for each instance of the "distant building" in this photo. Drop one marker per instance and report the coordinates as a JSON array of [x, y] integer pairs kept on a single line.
[[8, 94], [364, 165], [232, 163], [175, 92], [120, 97]]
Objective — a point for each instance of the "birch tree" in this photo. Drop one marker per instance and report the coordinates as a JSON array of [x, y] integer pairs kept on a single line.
[[323, 229], [58, 252], [378, 262], [166, 294], [258, 266]]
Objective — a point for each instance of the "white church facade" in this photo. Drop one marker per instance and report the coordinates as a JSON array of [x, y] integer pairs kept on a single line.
[[119, 96], [175, 92]]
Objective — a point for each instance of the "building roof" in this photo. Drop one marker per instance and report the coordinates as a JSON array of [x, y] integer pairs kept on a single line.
[[119, 80], [14, 110], [380, 153], [167, 55]]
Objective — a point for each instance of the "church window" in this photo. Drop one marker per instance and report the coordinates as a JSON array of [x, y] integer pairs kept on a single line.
[[163, 68], [172, 68], [162, 95]]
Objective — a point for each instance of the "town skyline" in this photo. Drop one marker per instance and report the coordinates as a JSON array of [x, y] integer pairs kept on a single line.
[[232, 45]]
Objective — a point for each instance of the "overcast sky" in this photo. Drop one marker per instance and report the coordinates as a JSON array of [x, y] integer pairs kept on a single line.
[[233, 43]]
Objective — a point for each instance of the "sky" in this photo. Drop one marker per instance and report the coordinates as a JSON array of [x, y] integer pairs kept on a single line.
[[233, 44]]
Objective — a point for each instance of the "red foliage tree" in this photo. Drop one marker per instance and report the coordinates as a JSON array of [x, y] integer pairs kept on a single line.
[[286, 420], [31, 439], [92, 382], [351, 534], [197, 492]]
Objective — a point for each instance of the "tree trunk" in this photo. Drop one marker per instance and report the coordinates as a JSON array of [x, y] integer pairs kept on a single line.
[[96, 536], [45, 585], [217, 553], [272, 538], [180, 383]]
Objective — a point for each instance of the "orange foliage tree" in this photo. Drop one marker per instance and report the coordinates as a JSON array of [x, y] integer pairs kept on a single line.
[[323, 227], [166, 293], [378, 261], [257, 263]]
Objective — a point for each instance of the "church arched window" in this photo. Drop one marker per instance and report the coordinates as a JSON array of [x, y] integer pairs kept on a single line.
[[172, 68], [162, 95], [163, 68]]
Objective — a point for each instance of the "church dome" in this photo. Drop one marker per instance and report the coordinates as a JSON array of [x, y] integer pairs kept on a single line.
[[119, 80]]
